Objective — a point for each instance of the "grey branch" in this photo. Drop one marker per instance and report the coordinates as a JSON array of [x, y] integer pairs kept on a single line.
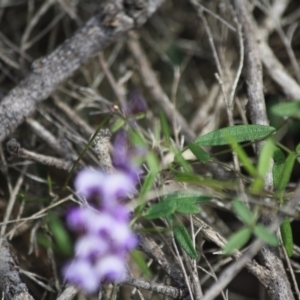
[[158, 288], [113, 21], [69, 293], [14, 149], [278, 286], [10, 282], [274, 67], [253, 67]]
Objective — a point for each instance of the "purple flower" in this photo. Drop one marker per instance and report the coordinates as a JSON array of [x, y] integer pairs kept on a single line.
[[116, 186], [125, 157], [105, 235], [111, 268], [136, 104], [101, 225], [121, 213], [77, 217], [108, 188], [88, 183], [123, 238], [121, 147], [81, 273], [91, 246]]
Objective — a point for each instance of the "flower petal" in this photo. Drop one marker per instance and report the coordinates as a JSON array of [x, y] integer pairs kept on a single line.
[[81, 273], [116, 186], [91, 246], [111, 268], [88, 183]]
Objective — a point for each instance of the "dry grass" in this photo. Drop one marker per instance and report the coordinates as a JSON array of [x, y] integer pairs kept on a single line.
[[188, 62]]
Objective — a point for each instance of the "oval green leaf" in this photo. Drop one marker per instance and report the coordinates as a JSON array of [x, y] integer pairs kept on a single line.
[[139, 259], [243, 212], [265, 157], [160, 210], [287, 236], [287, 171], [239, 133], [298, 152], [164, 125], [201, 155], [60, 235], [187, 208], [183, 202], [278, 167], [266, 235], [187, 196], [184, 240], [244, 158], [287, 109], [237, 240]]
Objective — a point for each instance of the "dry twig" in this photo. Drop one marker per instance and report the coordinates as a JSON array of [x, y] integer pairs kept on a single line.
[[15, 149], [48, 73]]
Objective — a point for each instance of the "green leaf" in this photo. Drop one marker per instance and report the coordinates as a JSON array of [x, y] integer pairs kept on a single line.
[[181, 161], [60, 235], [244, 159], [164, 125], [186, 196], [150, 178], [187, 208], [278, 167], [298, 153], [44, 241], [207, 182], [287, 171], [137, 139], [117, 125], [287, 109], [287, 236], [199, 152], [184, 240], [237, 240], [264, 162], [239, 133], [186, 201], [161, 209], [49, 182], [257, 185], [298, 149], [265, 157], [243, 212], [147, 184], [182, 202], [266, 235], [138, 257], [152, 162]]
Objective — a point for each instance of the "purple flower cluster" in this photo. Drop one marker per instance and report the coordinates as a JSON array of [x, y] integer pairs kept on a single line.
[[105, 236]]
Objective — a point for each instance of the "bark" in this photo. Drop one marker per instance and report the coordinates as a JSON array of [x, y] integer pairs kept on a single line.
[[11, 284], [278, 287]]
